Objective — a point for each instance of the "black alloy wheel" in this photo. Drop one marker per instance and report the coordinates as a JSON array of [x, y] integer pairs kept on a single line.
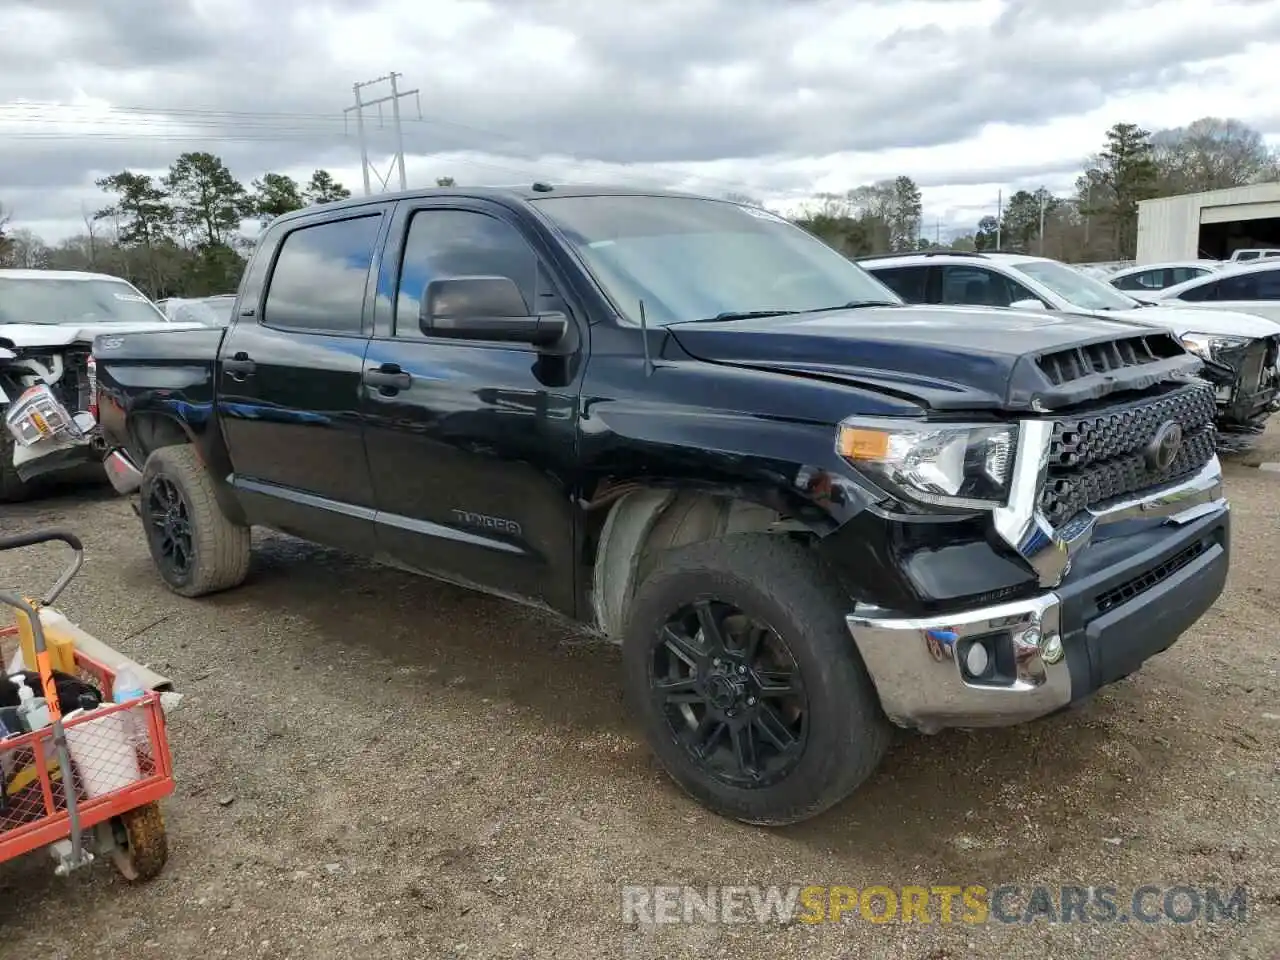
[[168, 520], [732, 694]]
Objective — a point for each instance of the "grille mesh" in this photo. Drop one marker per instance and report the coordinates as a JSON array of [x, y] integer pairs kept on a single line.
[[1098, 456]]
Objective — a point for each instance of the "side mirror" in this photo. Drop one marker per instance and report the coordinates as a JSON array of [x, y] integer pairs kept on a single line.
[[486, 308], [1027, 305]]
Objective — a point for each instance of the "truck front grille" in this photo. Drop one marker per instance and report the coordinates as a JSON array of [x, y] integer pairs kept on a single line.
[[1063, 366], [1101, 455]]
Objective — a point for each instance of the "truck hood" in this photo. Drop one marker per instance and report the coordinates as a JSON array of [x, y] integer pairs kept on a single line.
[[27, 335], [1190, 319], [944, 357]]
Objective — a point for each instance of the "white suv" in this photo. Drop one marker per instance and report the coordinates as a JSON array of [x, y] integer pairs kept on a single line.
[[1240, 350]]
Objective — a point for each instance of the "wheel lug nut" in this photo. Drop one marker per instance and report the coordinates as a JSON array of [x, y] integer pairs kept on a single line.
[[715, 662], [729, 713], [742, 669], [751, 701]]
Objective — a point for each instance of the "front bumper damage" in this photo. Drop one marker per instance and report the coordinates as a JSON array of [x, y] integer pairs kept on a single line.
[[1246, 384], [47, 437], [1155, 564]]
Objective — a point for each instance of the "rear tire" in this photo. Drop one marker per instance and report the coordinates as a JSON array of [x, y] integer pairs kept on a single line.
[[13, 489], [807, 720], [196, 549]]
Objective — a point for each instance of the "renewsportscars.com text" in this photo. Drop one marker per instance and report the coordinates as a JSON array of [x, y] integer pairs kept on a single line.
[[941, 904]]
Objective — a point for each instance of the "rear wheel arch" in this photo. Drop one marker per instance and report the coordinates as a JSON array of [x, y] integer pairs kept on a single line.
[[152, 430]]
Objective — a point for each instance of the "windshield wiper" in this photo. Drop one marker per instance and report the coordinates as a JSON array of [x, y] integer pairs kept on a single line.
[[748, 314], [856, 304]]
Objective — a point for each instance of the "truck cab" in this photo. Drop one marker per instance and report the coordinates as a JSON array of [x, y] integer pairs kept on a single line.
[[806, 510]]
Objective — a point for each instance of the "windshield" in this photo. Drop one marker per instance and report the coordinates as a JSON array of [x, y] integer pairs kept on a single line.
[[692, 259], [1073, 286], [49, 301]]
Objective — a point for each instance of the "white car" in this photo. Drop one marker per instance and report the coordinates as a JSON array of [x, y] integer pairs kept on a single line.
[[1254, 253], [48, 319], [1151, 277], [1240, 350], [1251, 288]]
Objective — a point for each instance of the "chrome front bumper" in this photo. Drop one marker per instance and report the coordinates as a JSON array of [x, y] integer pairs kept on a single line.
[[918, 664]]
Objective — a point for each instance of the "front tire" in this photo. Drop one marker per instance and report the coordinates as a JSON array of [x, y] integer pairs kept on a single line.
[[196, 549], [747, 684]]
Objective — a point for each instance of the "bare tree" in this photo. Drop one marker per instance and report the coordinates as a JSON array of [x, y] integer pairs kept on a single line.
[[1210, 154]]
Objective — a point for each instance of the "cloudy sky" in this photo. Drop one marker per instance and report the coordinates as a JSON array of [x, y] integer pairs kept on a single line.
[[778, 99]]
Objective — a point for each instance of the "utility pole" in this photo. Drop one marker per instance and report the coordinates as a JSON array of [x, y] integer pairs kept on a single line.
[[999, 217], [394, 99], [1043, 194], [1088, 209]]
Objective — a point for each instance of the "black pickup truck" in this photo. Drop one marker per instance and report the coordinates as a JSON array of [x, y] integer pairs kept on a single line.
[[806, 510]]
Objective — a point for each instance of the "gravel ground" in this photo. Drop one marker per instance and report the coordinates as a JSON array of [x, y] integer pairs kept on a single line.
[[371, 761]]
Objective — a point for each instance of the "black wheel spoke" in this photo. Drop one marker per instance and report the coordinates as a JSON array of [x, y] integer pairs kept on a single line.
[[681, 690], [708, 733], [707, 620], [682, 646], [776, 683], [774, 729], [750, 647], [744, 750]]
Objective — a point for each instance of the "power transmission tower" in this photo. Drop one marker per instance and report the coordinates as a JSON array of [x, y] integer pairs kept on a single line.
[[397, 161]]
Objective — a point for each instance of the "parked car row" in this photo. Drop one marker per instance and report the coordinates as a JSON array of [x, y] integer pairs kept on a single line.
[[1240, 349]]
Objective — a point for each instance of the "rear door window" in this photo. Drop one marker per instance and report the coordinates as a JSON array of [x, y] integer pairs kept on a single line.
[[320, 275], [910, 283], [979, 286]]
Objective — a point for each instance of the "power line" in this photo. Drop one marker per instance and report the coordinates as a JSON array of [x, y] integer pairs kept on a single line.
[[299, 123]]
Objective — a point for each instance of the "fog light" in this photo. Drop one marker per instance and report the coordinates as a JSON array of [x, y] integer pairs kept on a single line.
[[976, 660], [1051, 648]]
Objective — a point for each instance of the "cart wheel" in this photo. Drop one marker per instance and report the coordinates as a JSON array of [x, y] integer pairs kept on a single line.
[[142, 847]]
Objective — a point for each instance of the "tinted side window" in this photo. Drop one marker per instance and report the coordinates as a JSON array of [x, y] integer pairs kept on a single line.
[[460, 243], [1264, 285], [1183, 274], [1268, 287], [906, 282], [986, 288], [1238, 288], [1146, 280], [320, 274], [1206, 291]]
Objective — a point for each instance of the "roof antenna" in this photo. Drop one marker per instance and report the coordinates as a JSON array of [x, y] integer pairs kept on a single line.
[[644, 333]]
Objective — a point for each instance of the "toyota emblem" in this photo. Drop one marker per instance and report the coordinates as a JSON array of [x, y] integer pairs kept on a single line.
[[1164, 446]]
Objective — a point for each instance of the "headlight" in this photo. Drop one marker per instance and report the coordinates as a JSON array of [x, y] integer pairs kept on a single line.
[[967, 466], [1207, 346], [37, 415]]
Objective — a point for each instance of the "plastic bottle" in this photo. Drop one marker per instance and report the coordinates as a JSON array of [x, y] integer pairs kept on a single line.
[[126, 686], [32, 710]]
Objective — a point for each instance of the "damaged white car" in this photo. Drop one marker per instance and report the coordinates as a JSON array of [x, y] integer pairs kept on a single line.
[[48, 319]]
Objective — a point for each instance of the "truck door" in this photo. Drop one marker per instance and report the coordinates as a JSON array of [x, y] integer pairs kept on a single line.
[[289, 380], [471, 444]]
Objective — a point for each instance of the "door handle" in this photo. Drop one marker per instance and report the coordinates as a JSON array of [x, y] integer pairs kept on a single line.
[[388, 378], [238, 365]]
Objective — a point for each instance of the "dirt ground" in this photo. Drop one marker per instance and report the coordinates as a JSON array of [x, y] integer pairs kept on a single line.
[[371, 762]]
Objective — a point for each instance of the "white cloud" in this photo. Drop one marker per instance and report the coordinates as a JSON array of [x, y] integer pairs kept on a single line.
[[772, 98]]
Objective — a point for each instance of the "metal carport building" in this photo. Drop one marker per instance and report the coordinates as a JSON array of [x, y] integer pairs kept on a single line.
[[1208, 225]]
